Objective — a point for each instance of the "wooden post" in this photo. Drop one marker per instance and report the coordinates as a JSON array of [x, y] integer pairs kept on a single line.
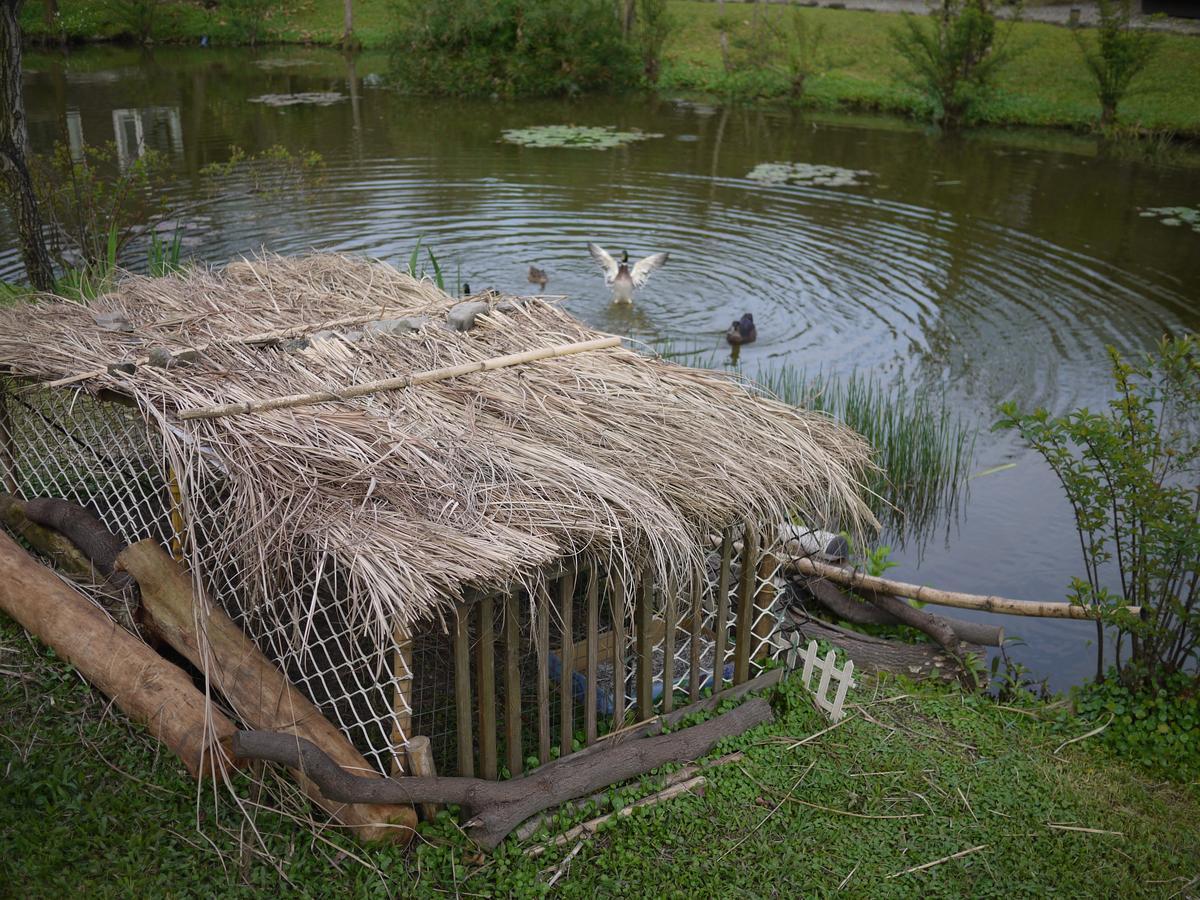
[[566, 696], [745, 620], [645, 674], [764, 600], [485, 663], [670, 621], [420, 764], [402, 696], [8, 464], [512, 682], [616, 598], [694, 637], [722, 643], [462, 691], [543, 672], [593, 648]]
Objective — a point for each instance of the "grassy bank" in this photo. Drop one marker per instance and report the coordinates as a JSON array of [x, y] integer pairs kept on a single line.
[[915, 774]]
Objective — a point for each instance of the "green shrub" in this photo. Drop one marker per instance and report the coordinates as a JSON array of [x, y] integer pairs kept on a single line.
[[136, 17], [954, 59], [511, 48], [654, 26], [1117, 56], [1132, 476], [247, 19]]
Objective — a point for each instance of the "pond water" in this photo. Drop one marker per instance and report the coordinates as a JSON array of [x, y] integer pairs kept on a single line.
[[992, 267]]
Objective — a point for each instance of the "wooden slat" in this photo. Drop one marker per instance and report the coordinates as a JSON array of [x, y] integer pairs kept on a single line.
[[8, 465], [764, 600], [566, 694], [593, 653], [670, 626], [402, 698], [616, 599], [745, 619], [645, 662], [694, 630], [543, 672], [485, 676], [512, 682], [722, 637], [462, 691]]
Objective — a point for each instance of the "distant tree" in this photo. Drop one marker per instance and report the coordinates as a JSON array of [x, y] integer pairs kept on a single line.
[[347, 22], [1117, 56], [14, 145]]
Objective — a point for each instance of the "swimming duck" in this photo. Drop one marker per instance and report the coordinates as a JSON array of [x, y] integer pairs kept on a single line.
[[742, 331], [623, 279], [539, 277]]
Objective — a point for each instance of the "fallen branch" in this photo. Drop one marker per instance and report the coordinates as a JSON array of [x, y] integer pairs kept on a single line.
[[495, 808], [937, 862], [590, 827], [1084, 737], [933, 626], [292, 401], [855, 579]]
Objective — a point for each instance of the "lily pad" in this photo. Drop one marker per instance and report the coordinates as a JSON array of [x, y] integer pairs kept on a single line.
[[282, 63], [1175, 216], [808, 174], [580, 136], [309, 98]]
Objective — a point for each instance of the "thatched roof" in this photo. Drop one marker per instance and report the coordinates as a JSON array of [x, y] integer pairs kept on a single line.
[[416, 494]]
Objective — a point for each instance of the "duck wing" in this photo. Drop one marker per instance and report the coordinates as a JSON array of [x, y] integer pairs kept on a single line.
[[605, 261], [642, 269]]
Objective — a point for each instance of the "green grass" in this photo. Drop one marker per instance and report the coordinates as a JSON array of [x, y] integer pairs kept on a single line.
[[89, 804]]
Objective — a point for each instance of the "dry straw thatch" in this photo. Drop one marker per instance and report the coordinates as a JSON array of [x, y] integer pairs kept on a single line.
[[415, 495]]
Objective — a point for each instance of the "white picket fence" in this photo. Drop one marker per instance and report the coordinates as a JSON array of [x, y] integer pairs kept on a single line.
[[812, 663]]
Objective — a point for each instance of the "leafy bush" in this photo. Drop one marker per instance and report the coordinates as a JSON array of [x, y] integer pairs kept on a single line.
[[510, 48], [782, 42], [1158, 730], [136, 17], [1117, 56], [654, 26], [954, 59], [248, 19], [1132, 476]]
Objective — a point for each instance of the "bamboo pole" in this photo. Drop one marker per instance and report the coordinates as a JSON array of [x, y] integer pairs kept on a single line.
[[512, 682], [291, 401], [402, 695], [543, 672], [694, 638], [462, 691], [645, 674], [593, 653], [485, 663], [855, 579], [616, 598], [566, 693], [670, 621], [745, 620], [722, 639]]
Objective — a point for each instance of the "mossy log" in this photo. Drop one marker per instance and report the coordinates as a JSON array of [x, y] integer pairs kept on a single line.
[[145, 686]]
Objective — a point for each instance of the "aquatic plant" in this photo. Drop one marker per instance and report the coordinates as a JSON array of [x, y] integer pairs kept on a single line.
[[807, 174], [602, 137], [304, 98], [1175, 216], [924, 450], [1117, 56]]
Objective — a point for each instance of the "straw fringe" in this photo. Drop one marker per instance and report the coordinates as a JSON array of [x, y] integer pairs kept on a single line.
[[415, 495]]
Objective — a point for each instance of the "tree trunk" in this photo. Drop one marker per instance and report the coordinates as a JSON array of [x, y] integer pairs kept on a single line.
[[14, 143], [149, 689], [628, 19], [347, 21]]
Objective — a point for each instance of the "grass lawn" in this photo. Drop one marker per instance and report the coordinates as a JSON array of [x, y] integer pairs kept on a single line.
[[915, 774], [1047, 84]]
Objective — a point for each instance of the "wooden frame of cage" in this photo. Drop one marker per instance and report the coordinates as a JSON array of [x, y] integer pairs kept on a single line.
[[478, 714]]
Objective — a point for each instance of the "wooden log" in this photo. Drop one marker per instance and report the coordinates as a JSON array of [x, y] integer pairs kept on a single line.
[[842, 605], [934, 626], [616, 599], [745, 621], [145, 686], [694, 639], [496, 808], [462, 691], [566, 679], [69, 559], [855, 580], [645, 662], [421, 765], [593, 653], [723, 577], [485, 676], [670, 624], [543, 672], [512, 683], [257, 691], [291, 401]]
